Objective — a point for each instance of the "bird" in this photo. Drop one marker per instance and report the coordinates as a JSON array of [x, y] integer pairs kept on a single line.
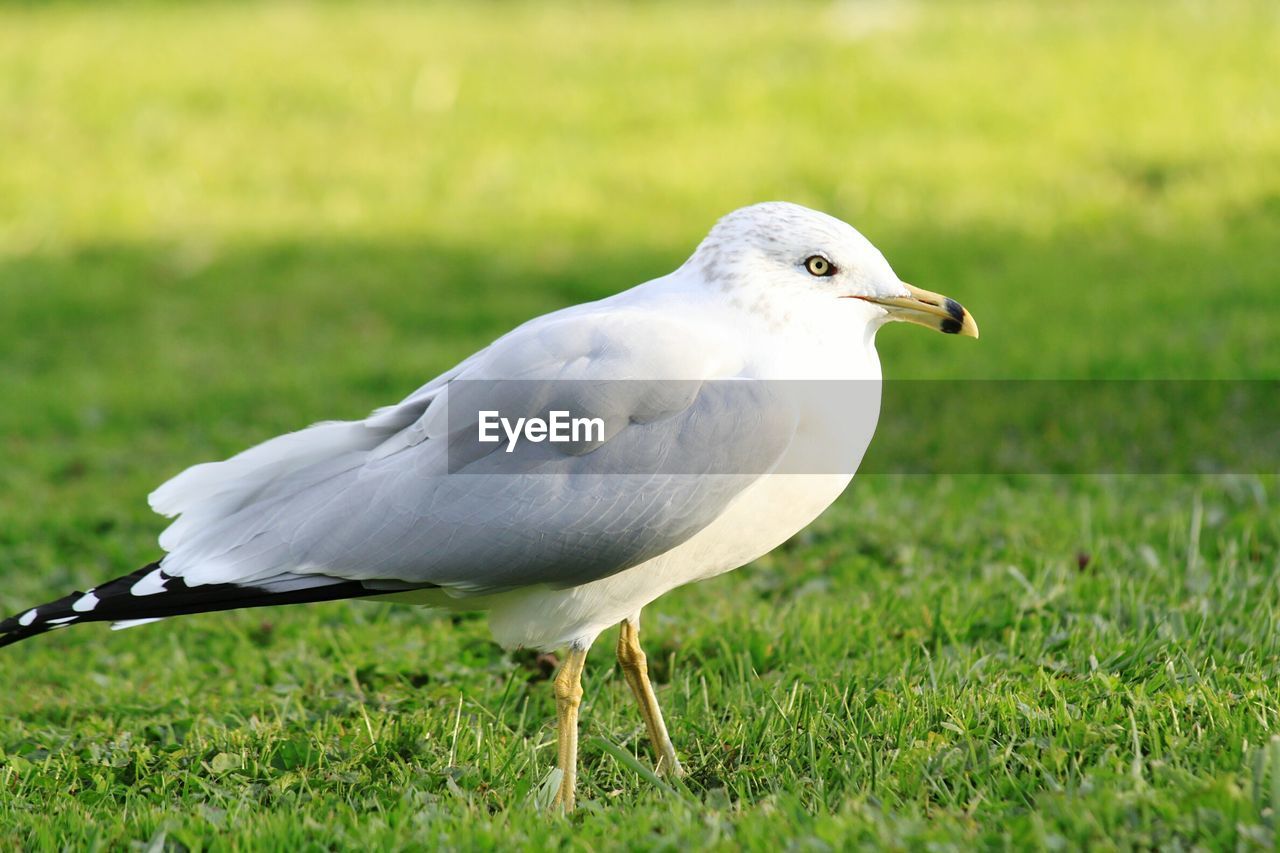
[[704, 461]]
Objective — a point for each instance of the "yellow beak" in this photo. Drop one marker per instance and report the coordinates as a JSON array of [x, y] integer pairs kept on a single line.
[[927, 308]]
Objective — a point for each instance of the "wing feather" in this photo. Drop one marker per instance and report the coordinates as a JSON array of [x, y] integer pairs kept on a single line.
[[399, 498]]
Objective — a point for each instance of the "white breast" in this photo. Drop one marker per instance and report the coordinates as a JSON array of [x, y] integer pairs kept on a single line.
[[773, 510]]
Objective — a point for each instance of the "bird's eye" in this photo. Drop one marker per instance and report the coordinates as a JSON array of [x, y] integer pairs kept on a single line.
[[819, 266]]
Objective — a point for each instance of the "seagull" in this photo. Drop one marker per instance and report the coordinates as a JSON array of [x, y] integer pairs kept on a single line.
[[703, 462]]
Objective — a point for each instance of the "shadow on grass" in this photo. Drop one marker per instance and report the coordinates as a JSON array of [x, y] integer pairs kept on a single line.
[[326, 322]]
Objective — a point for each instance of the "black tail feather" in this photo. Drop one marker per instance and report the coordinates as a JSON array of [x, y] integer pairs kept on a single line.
[[116, 600]]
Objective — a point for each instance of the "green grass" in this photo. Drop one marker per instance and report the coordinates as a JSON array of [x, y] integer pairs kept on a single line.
[[218, 222]]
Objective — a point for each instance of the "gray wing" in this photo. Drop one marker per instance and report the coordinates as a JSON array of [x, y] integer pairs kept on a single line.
[[428, 507]]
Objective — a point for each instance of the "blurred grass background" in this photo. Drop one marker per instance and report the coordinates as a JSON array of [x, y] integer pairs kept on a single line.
[[219, 221]]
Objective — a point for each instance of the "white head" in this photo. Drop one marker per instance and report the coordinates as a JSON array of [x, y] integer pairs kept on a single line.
[[784, 253]]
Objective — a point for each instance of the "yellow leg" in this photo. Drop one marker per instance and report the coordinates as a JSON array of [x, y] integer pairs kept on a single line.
[[635, 668], [568, 690]]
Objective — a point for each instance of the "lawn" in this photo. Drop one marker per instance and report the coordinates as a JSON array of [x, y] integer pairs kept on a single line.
[[223, 221]]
